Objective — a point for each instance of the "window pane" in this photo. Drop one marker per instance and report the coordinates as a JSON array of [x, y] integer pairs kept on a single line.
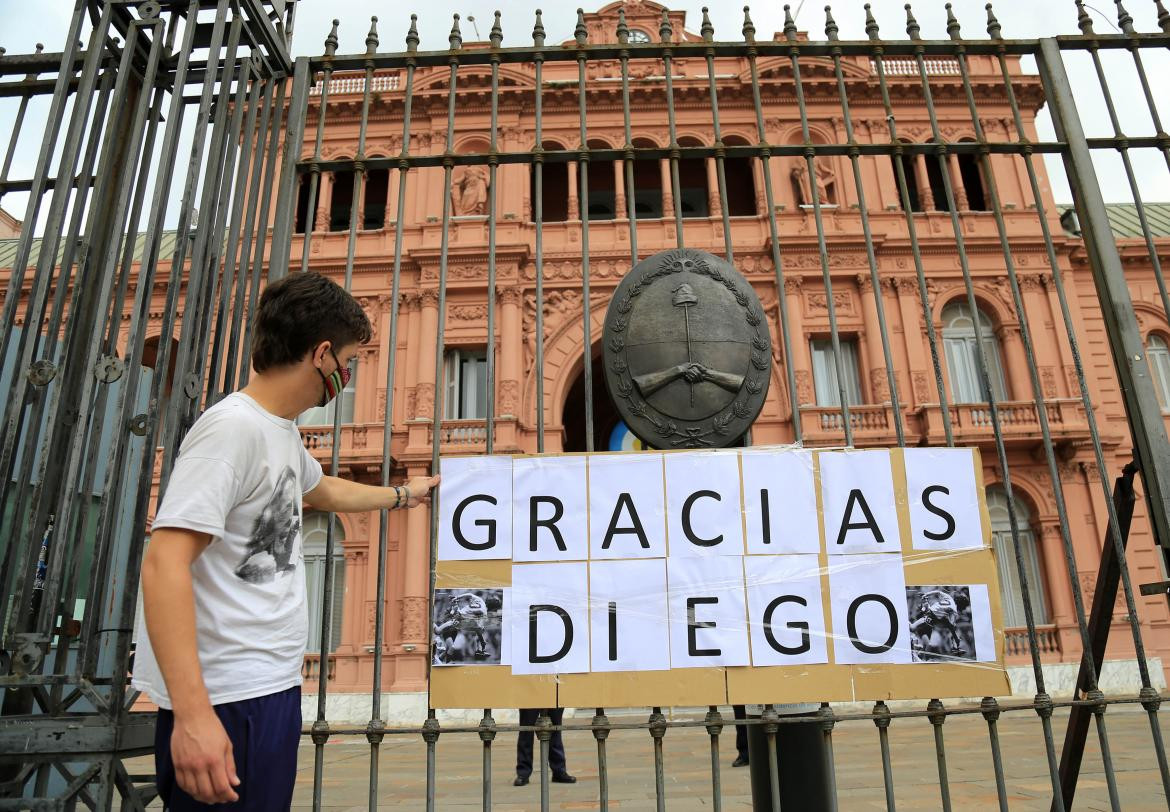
[[1159, 357], [828, 393]]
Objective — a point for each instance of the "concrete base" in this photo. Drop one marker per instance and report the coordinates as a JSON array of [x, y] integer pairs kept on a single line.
[[1117, 678]]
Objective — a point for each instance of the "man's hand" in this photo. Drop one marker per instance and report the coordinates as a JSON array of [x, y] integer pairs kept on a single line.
[[418, 490], [202, 754]]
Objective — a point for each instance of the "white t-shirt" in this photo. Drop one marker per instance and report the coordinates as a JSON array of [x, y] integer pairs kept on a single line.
[[239, 477]]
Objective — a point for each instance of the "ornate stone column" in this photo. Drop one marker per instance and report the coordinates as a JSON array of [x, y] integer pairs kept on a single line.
[[801, 359], [511, 349], [324, 201], [391, 199], [925, 196], [667, 193], [713, 200], [957, 186], [574, 203], [1018, 380], [922, 384], [879, 386], [1057, 587], [1062, 340], [428, 331], [619, 185]]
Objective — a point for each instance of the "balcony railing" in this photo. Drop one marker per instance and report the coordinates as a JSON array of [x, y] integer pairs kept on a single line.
[[1016, 641], [311, 670], [871, 423], [1019, 421]]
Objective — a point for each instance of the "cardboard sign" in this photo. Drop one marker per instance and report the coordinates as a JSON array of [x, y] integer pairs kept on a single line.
[[752, 575]]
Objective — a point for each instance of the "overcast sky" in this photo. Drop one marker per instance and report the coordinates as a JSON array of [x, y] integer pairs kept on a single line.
[[23, 24]]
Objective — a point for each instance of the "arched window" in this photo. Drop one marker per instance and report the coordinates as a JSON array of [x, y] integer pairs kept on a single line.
[[938, 189], [303, 214], [377, 190], [692, 182], [341, 202], [1158, 354], [1005, 556], [962, 355], [554, 186], [911, 177], [740, 180], [314, 534], [972, 177], [323, 415]]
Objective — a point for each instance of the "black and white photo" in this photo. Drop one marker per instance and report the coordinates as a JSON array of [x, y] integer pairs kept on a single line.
[[468, 626], [942, 628]]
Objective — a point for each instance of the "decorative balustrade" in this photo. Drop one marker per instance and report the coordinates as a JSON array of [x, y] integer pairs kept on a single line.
[[311, 669], [1016, 641], [871, 424], [1019, 421]]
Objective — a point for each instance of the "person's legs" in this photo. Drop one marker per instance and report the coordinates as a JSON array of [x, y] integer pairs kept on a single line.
[[741, 747], [528, 717], [264, 733]]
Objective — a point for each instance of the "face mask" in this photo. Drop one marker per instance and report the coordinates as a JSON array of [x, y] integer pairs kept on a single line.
[[335, 382]]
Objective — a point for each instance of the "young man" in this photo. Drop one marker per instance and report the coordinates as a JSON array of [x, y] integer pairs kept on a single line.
[[223, 580]]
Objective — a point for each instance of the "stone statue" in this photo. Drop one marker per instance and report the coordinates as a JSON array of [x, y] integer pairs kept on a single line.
[[825, 180], [469, 191]]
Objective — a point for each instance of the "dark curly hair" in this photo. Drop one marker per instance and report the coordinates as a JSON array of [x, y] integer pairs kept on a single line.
[[300, 311]]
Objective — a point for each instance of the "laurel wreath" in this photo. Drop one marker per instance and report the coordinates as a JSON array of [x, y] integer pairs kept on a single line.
[[694, 436]]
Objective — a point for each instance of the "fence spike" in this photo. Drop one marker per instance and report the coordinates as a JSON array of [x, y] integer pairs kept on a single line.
[[456, 36], [623, 30], [953, 23], [830, 24], [707, 29], [1124, 19], [1163, 17], [994, 30], [581, 33], [789, 24], [331, 40], [497, 35], [372, 36], [749, 28], [665, 30], [538, 31], [412, 34], [1084, 21], [912, 28], [871, 24]]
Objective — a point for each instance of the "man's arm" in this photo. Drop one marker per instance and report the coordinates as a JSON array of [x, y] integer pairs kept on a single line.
[[338, 495], [200, 749]]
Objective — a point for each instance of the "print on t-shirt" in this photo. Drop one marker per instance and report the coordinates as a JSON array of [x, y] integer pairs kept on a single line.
[[270, 549]]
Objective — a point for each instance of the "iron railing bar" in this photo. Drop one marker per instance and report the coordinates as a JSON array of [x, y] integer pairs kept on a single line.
[[538, 36], [714, 725], [240, 193], [272, 179], [870, 255], [1163, 144], [583, 158], [628, 155], [1147, 427], [375, 730], [486, 734], [257, 187], [17, 124], [29, 340], [284, 220], [315, 180], [769, 717], [438, 405], [749, 35], [881, 719], [191, 188], [991, 710], [665, 33], [822, 246], [493, 175], [657, 725], [1043, 700], [544, 729], [937, 718], [827, 721], [601, 730]]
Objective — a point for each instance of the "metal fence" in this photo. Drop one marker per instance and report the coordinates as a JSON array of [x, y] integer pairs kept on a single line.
[[190, 118]]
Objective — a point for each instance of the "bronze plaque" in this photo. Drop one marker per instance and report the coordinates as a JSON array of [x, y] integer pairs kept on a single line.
[[687, 352]]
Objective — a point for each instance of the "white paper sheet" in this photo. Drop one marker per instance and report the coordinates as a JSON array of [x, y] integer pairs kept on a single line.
[[626, 495], [867, 594], [786, 522], [560, 594], [551, 509], [628, 617], [475, 508], [703, 504], [944, 500], [785, 612], [981, 621], [857, 489], [707, 612]]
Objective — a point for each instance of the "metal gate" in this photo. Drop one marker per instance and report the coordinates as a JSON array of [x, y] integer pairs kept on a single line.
[[192, 116]]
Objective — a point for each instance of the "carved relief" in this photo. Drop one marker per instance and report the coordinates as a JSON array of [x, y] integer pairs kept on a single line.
[[469, 191], [469, 312], [414, 612], [359, 435], [426, 400], [509, 397], [381, 407], [879, 385], [804, 387], [1048, 381], [429, 297], [817, 302], [411, 403], [921, 385], [825, 181]]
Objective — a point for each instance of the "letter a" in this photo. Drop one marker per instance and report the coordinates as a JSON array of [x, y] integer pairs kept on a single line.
[[870, 523], [625, 500]]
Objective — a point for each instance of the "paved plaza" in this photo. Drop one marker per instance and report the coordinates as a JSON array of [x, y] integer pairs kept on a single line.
[[402, 782]]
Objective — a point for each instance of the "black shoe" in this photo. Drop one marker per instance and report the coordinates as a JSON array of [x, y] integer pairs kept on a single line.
[[564, 778], [521, 781], [740, 761]]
